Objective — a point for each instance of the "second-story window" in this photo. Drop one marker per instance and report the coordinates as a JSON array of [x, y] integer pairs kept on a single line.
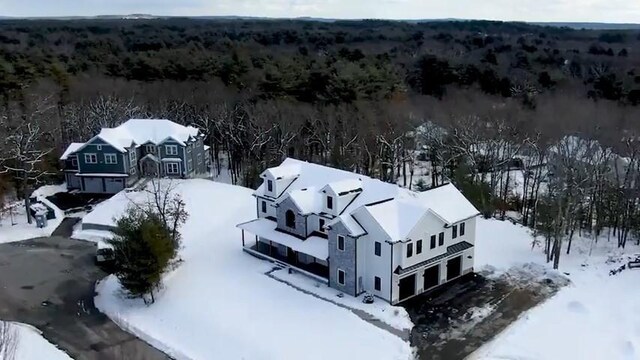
[[409, 250], [377, 248], [171, 149], [74, 162], [110, 159], [91, 158], [433, 242], [290, 219], [132, 157], [150, 149], [329, 202], [264, 206], [321, 225], [340, 242], [441, 239], [461, 229], [454, 231], [418, 247], [269, 185]]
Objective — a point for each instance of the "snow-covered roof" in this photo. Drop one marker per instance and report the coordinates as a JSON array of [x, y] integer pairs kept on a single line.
[[448, 203], [313, 245], [396, 209], [345, 186], [397, 217], [70, 150], [142, 131], [308, 200], [284, 171]]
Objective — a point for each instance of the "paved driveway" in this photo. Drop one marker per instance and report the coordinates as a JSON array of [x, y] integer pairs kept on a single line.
[[49, 283]]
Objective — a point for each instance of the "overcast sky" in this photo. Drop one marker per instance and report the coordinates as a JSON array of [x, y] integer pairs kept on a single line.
[[617, 11]]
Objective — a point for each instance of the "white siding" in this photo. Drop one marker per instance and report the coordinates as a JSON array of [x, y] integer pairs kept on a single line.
[[427, 226], [271, 210]]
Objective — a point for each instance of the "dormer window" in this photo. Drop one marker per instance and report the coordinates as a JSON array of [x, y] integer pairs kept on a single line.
[[330, 202], [269, 185]]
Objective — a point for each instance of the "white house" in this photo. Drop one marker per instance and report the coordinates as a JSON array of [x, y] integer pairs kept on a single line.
[[360, 234]]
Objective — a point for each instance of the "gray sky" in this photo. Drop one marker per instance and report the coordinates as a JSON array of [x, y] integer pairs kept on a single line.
[[617, 11]]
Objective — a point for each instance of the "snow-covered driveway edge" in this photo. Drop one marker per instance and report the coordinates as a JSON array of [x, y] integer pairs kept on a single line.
[[101, 302]]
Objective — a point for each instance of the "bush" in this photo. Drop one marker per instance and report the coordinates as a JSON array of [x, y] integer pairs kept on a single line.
[[144, 250]]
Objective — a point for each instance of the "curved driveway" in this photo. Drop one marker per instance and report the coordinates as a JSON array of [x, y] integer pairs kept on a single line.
[[49, 283]]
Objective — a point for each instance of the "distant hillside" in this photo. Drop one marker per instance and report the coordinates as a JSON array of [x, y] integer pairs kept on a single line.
[[590, 25]]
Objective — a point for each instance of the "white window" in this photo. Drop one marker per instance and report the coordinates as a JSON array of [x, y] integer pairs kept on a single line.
[[91, 158], [340, 242], [341, 276], [171, 149], [99, 147], [110, 159], [172, 168], [132, 157], [150, 149], [190, 165], [74, 162]]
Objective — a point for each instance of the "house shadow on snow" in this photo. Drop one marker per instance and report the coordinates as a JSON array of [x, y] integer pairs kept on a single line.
[[453, 321]]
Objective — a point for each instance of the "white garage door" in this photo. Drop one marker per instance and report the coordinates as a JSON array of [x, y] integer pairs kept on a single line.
[[114, 185]]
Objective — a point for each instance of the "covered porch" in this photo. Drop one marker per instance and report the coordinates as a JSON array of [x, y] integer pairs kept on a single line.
[[261, 238]]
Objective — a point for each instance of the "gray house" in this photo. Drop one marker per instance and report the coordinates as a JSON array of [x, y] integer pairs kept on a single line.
[[359, 234], [118, 157]]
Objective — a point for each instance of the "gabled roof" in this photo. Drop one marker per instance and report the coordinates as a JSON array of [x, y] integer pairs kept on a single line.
[[397, 210], [141, 131], [344, 186], [71, 149], [448, 203], [284, 171]]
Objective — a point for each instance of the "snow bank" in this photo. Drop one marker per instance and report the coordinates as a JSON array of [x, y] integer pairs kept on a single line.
[[219, 301], [32, 346], [48, 190]]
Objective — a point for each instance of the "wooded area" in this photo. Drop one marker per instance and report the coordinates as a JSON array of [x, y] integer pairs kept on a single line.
[[473, 100]]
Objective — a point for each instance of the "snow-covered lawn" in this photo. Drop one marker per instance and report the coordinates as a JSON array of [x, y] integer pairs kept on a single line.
[[596, 317], [220, 302], [30, 345]]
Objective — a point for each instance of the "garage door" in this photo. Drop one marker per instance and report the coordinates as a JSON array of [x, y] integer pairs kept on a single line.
[[114, 185], [454, 267], [431, 277], [407, 286], [93, 185]]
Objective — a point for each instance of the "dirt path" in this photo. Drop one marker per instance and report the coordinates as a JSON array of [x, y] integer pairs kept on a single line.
[[453, 322], [49, 283]]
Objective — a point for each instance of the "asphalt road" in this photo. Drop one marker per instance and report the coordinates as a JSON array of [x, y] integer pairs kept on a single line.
[[49, 283]]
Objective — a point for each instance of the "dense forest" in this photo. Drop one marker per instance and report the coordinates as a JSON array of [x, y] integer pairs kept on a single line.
[[375, 97]]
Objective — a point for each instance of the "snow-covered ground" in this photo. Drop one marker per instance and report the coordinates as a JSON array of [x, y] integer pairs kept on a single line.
[[48, 190], [14, 225], [395, 316], [219, 301], [30, 345], [596, 317]]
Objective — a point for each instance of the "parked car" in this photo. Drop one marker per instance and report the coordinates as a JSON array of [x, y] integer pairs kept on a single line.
[[105, 256]]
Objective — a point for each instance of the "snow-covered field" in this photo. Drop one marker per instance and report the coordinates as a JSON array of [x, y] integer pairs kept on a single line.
[[30, 345], [596, 317], [220, 302]]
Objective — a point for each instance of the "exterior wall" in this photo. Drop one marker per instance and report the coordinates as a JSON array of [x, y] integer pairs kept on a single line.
[[73, 182], [369, 264], [200, 167], [313, 223], [344, 260], [132, 168], [271, 209], [162, 154], [301, 222], [428, 225], [100, 167]]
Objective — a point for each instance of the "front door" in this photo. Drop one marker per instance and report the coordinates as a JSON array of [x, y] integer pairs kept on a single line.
[[454, 268], [407, 286]]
